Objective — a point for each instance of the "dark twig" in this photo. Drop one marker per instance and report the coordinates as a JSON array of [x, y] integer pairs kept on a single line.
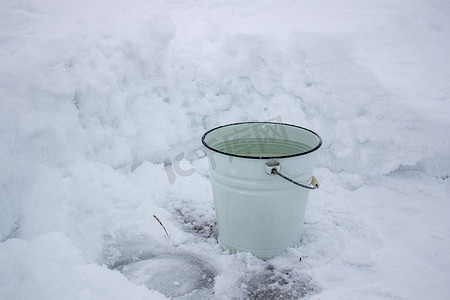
[[159, 221]]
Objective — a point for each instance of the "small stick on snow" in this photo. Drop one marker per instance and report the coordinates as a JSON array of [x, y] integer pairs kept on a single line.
[[159, 221]]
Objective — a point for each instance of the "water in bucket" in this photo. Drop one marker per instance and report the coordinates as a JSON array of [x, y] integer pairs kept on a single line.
[[259, 148]]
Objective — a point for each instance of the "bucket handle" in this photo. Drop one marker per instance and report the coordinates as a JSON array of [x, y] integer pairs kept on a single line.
[[273, 167]]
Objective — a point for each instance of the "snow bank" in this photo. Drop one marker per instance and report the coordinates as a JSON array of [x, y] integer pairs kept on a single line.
[[64, 82], [50, 267]]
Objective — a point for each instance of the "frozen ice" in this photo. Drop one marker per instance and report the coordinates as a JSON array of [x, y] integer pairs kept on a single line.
[[172, 275]]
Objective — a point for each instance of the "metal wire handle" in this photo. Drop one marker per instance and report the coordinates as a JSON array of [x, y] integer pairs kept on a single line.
[[273, 167]]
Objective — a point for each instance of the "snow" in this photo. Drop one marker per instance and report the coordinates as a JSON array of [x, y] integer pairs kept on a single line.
[[103, 106]]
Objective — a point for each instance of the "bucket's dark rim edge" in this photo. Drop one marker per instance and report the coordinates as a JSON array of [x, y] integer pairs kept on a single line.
[[261, 157]]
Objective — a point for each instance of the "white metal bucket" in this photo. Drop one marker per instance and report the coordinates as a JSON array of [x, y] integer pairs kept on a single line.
[[256, 210]]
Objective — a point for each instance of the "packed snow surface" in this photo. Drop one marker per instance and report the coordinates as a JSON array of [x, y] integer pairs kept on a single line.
[[103, 104]]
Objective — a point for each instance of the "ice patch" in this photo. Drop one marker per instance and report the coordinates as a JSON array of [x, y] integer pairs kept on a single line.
[[277, 284], [176, 276]]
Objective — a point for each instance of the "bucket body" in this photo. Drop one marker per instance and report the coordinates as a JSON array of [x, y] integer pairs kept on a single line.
[[257, 211]]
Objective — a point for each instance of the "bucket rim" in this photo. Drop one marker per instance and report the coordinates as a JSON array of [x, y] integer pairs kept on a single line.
[[262, 157]]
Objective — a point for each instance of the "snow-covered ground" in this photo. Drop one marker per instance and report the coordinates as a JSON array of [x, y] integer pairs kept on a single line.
[[102, 103]]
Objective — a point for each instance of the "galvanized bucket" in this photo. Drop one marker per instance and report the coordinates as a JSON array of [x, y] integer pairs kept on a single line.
[[261, 174]]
